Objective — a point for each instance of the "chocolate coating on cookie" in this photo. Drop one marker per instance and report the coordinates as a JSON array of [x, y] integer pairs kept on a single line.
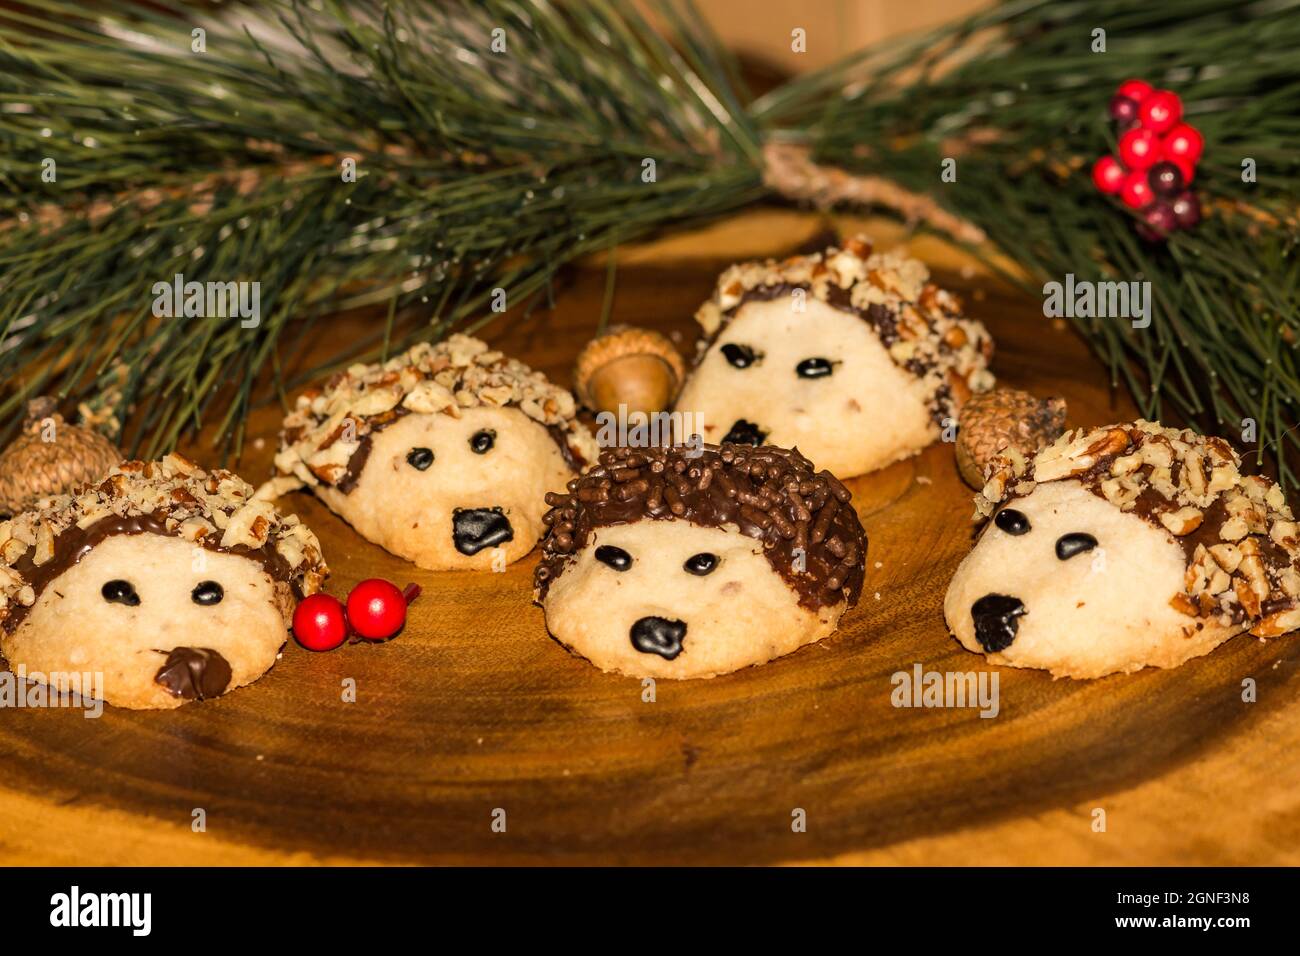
[[805, 519]]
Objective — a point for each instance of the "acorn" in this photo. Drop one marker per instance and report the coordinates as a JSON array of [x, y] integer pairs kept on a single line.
[[50, 457], [994, 420], [629, 366]]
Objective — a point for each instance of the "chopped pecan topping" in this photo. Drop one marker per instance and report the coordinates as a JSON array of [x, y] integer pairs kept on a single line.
[[1238, 532], [182, 500], [328, 425], [919, 324]]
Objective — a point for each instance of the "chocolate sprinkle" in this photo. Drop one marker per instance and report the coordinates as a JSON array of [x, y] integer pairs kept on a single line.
[[810, 533]]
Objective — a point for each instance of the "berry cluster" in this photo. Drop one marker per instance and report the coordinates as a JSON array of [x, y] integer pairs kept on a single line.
[[376, 611], [1157, 159]]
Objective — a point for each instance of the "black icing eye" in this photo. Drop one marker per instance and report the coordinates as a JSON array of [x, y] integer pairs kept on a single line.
[[419, 458], [207, 593], [814, 368], [118, 591], [701, 564], [482, 441], [740, 356], [1013, 522], [616, 558], [1076, 542]]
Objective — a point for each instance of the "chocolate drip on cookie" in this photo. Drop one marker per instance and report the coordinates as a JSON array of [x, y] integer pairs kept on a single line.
[[1237, 532], [921, 326], [326, 439], [194, 673], [357, 463], [173, 497], [77, 542], [805, 519]]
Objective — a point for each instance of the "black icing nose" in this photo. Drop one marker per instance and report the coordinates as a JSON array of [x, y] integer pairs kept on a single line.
[[997, 618], [658, 635], [473, 529], [745, 433]]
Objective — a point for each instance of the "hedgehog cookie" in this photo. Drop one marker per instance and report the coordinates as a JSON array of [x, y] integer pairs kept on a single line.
[[1121, 548], [851, 356], [697, 561], [442, 455], [171, 582]]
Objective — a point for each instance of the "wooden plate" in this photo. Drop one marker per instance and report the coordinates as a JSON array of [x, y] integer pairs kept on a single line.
[[475, 710]]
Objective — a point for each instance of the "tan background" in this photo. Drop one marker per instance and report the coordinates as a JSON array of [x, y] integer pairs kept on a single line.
[[760, 29]]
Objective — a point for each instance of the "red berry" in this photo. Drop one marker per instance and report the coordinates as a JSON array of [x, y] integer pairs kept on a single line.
[[376, 609], [1187, 210], [319, 624], [1160, 222], [1139, 149], [1161, 111], [1184, 142], [1187, 169], [1136, 192], [1136, 90], [1123, 110], [1166, 178], [1108, 175]]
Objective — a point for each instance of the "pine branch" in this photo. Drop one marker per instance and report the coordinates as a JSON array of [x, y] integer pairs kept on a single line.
[[477, 171], [1018, 99]]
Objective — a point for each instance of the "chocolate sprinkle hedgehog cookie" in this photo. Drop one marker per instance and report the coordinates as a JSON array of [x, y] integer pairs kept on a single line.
[[174, 583], [1121, 548], [851, 356], [442, 455], [692, 562]]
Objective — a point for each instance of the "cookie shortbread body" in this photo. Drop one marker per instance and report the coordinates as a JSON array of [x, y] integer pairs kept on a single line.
[[851, 356], [171, 582], [1121, 548], [692, 562], [442, 455]]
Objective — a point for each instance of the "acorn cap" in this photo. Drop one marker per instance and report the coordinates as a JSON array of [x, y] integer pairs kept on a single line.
[[993, 420], [629, 366], [32, 467]]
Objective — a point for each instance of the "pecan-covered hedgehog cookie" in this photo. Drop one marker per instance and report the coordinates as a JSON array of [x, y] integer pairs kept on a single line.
[[853, 357], [172, 582], [442, 455], [696, 561], [1124, 547]]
